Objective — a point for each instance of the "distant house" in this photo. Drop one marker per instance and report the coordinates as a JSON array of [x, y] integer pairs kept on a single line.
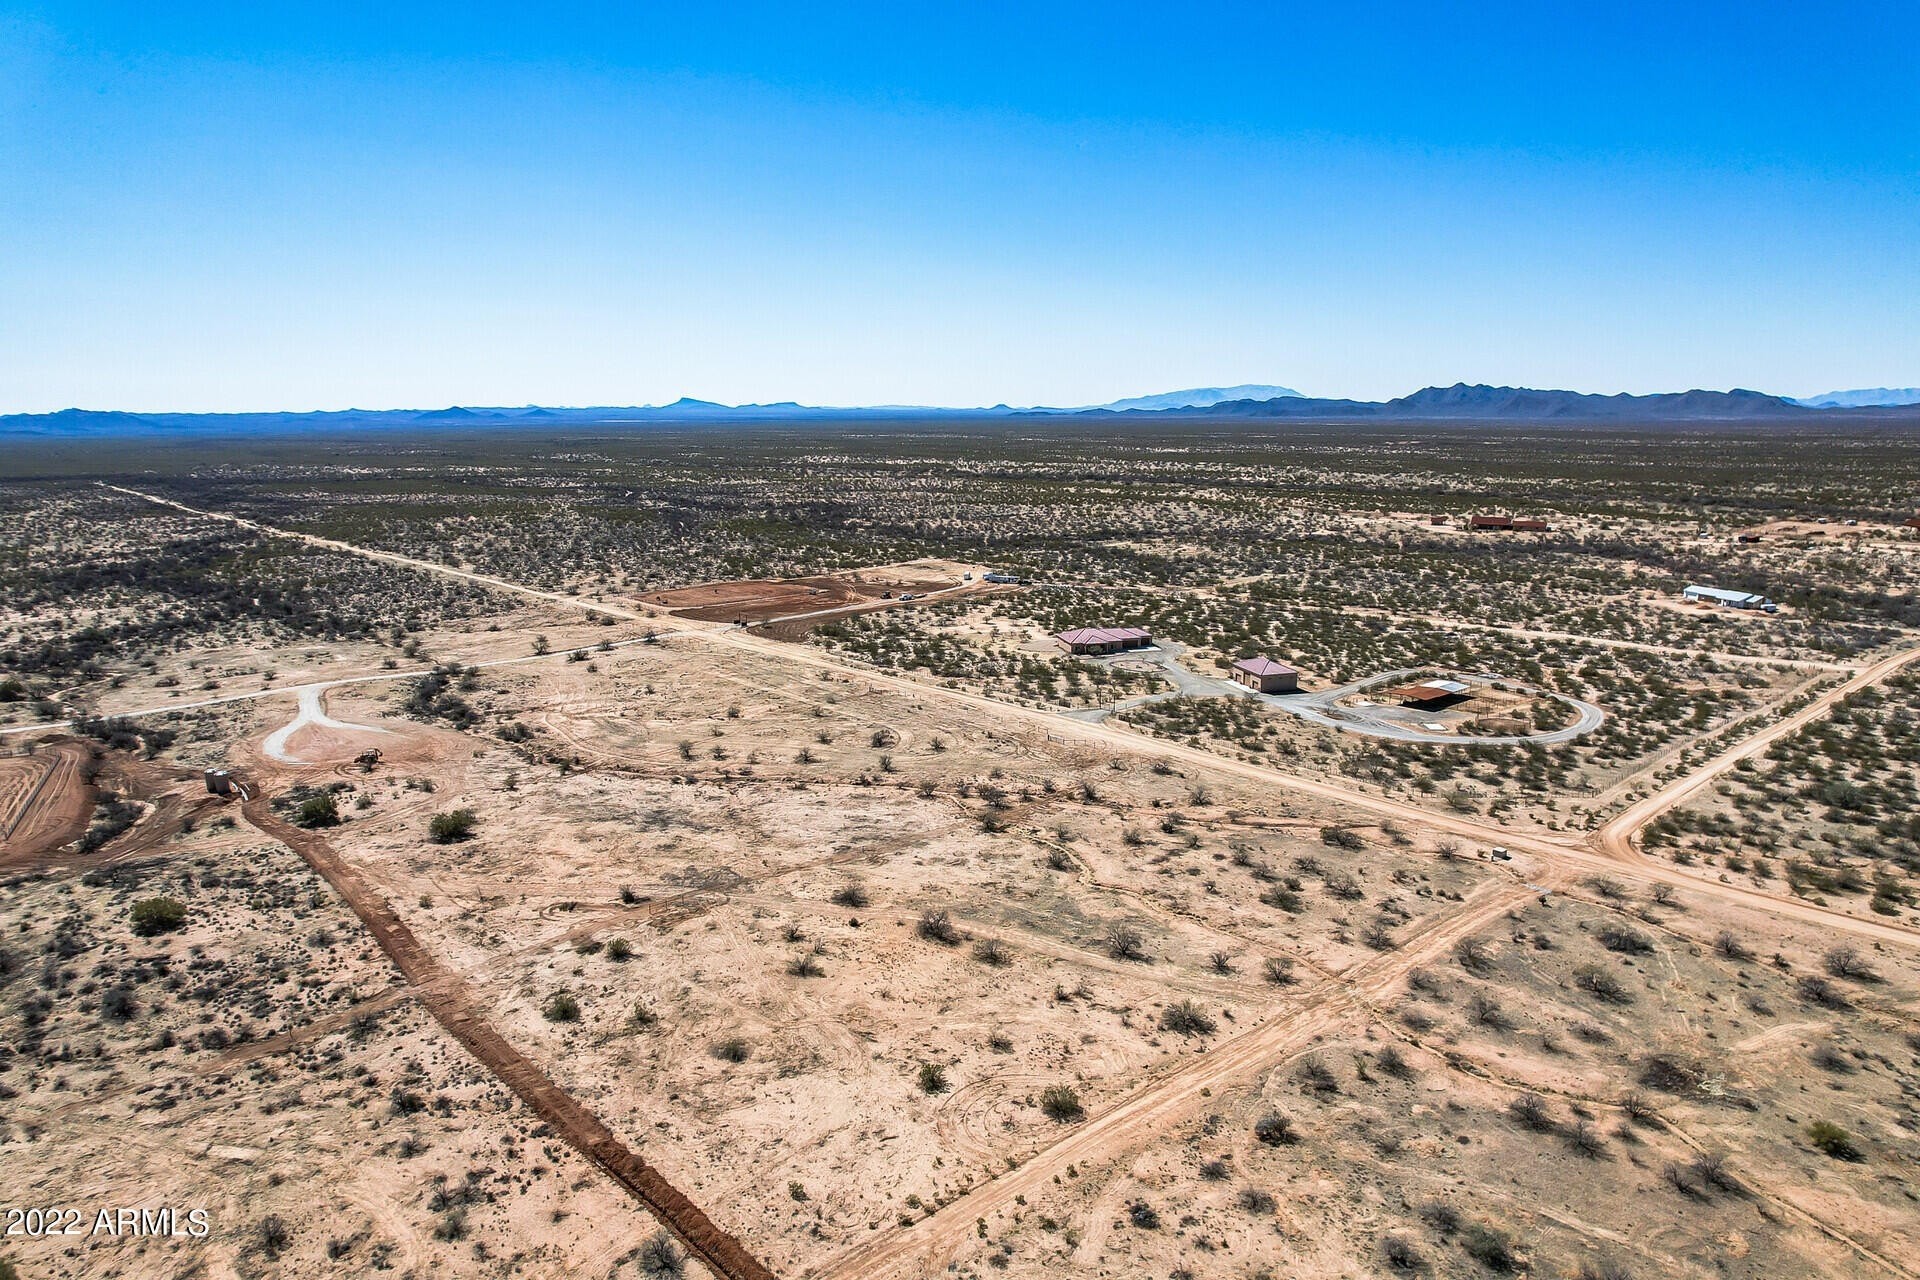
[[1430, 693], [1264, 675], [1729, 599], [1490, 522], [1097, 640], [1529, 524], [996, 576]]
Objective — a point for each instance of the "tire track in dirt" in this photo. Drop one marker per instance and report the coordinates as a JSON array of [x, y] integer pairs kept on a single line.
[[1616, 836], [447, 998], [1753, 1182], [929, 1245]]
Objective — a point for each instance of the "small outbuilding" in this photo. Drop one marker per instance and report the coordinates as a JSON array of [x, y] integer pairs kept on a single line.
[[1099, 640], [1264, 675]]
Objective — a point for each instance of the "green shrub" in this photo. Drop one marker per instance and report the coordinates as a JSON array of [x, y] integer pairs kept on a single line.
[[454, 825], [158, 915], [319, 811], [1833, 1140], [1187, 1018]]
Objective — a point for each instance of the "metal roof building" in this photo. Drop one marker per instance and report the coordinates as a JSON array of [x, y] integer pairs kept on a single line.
[[1731, 599], [1266, 675], [1431, 691], [1104, 639]]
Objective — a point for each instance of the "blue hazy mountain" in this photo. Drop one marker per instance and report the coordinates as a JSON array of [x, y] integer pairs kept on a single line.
[[1866, 398], [1516, 404], [1460, 402], [1200, 397]]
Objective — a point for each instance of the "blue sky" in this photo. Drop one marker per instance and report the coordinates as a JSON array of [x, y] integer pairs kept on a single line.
[[262, 206]]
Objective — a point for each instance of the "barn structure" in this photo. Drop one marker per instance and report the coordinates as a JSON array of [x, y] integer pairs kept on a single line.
[[1730, 599], [1430, 693], [1264, 675], [1098, 640]]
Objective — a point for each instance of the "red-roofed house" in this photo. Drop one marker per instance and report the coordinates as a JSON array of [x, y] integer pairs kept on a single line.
[[1104, 639], [1266, 676]]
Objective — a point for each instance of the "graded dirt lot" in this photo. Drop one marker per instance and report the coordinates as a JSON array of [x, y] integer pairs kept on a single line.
[[44, 800], [766, 600]]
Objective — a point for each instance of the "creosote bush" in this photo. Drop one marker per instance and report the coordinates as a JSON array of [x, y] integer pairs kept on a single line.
[[1833, 1140], [992, 951], [660, 1258], [938, 926], [1061, 1102], [319, 811], [1275, 1129], [1124, 942], [151, 916], [1187, 1018], [452, 826]]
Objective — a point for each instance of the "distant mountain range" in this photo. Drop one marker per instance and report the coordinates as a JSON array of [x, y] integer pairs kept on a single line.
[[1871, 397], [1484, 403], [1201, 397], [1460, 402]]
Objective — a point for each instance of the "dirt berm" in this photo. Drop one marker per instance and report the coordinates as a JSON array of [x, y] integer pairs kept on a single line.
[[446, 997]]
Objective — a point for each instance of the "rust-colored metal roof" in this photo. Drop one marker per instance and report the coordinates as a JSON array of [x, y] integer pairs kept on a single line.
[[1102, 635], [1431, 691]]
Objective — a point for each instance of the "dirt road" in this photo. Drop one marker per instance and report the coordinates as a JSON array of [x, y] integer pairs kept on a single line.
[[1558, 852], [1554, 852], [1144, 1114], [1616, 836], [925, 1248], [448, 999]]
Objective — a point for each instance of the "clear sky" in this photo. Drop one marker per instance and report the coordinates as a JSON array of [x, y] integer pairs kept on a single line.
[[257, 205]]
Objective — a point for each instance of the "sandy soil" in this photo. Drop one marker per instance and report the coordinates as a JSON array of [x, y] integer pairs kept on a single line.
[[761, 600], [850, 974]]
